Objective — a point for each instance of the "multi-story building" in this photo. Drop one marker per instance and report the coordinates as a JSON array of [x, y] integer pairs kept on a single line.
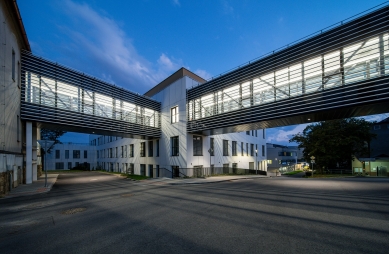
[[176, 150], [72, 155], [280, 157], [12, 141], [378, 162]]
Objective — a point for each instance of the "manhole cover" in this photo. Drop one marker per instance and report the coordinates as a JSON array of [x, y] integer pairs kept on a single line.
[[74, 210], [127, 195]]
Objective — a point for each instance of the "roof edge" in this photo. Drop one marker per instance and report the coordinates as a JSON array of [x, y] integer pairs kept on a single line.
[[182, 72], [16, 12]]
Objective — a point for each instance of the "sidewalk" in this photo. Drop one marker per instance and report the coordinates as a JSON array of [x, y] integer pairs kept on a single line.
[[212, 179], [36, 187]]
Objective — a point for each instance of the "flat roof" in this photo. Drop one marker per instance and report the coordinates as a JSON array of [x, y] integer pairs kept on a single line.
[[182, 72]]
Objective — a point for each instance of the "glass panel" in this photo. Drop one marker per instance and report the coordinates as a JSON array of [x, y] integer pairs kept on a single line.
[[231, 98], [207, 105], [246, 94], [47, 92], [103, 105]]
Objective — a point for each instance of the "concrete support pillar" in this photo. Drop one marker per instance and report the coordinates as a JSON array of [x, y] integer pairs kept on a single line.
[[34, 154], [28, 152]]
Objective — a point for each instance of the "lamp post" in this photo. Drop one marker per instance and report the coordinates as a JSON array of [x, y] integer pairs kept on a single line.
[[46, 145], [275, 159], [210, 151], [256, 164], [313, 162]]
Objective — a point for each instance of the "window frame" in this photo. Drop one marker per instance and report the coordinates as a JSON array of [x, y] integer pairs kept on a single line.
[[175, 146], [197, 145], [234, 148], [174, 114], [142, 149], [225, 147]]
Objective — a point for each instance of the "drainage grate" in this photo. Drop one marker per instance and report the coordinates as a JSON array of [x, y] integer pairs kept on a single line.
[[74, 210]]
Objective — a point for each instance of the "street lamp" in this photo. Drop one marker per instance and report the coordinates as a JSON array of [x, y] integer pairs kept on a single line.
[[275, 159], [46, 145], [256, 164], [210, 151], [313, 162]]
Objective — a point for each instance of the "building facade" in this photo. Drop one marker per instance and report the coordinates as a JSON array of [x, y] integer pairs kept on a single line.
[[178, 151], [283, 158], [378, 162], [12, 139], [72, 155]]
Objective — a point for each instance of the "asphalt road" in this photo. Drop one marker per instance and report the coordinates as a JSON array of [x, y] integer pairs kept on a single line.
[[98, 213]]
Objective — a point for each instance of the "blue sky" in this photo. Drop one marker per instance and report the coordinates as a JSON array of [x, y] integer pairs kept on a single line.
[[137, 44]]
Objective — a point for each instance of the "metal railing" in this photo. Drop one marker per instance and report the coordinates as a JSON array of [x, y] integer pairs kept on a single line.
[[216, 171], [364, 60]]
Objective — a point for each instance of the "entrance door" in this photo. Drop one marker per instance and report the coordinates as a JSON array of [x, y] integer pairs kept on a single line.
[[198, 171], [151, 171], [234, 168], [176, 171]]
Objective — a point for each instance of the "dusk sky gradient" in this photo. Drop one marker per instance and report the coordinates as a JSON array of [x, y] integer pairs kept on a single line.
[[137, 44]]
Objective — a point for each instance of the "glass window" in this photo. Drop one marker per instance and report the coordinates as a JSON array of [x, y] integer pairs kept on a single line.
[[76, 154], [252, 149], [234, 148], [242, 147], [247, 149], [174, 114], [13, 65], [225, 147], [85, 154], [197, 145], [142, 149], [59, 165], [143, 169], [174, 145], [69, 165], [212, 146], [157, 147], [263, 150], [132, 150], [66, 154], [150, 148], [57, 154]]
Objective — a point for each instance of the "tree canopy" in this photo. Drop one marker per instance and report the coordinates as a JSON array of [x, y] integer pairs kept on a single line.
[[52, 135], [336, 142]]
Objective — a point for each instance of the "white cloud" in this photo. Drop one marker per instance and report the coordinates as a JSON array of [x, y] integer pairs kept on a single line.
[[101, 42], [204, 74], [227, 8], [279, 135]]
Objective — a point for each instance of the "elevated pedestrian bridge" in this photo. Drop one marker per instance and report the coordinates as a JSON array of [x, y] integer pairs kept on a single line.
[[54, 96], [339, 72]]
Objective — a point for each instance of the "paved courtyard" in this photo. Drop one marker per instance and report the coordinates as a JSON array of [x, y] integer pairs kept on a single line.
[[98, 213]]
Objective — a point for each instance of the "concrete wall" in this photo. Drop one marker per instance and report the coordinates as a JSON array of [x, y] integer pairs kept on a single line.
[[11, 127]]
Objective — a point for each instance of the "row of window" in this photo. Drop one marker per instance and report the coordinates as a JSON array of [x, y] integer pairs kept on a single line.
[[129, 168], [255, 133], [76, 154], [121, 152], [61, 165], [198, 147], [128, 150]]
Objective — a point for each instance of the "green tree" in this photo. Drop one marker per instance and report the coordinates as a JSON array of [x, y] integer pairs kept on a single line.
[[52, 135], [336, 142]]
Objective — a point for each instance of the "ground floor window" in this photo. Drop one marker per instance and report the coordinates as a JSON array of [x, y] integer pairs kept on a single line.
[[59, 165], [143, 169], [69, 165]]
